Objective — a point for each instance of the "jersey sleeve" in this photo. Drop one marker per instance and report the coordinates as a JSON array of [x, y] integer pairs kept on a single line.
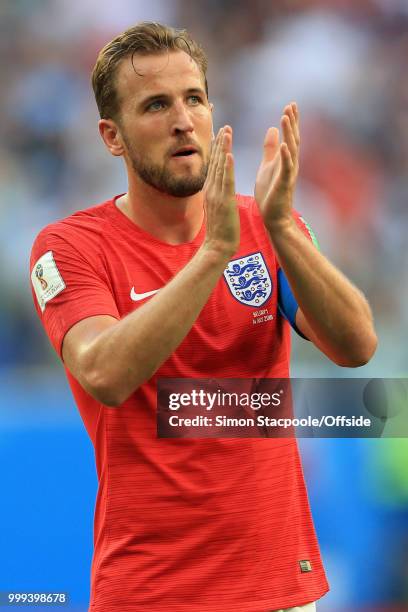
[[306, 229], [67, 286], [287, 304]]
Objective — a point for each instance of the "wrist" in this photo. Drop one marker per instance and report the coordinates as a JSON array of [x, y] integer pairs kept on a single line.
[[280, 227], [218, 253]]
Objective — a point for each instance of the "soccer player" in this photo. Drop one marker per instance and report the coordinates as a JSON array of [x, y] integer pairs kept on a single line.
[[167, 280]]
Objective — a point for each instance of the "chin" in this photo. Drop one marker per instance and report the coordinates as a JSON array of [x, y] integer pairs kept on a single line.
[[183, 190], [184, 187]]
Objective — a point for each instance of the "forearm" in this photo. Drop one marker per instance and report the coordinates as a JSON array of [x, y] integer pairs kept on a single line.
[[128, 353], [337, 317]]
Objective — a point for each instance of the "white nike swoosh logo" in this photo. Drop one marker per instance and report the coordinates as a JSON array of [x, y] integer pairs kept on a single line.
[[136, 297]]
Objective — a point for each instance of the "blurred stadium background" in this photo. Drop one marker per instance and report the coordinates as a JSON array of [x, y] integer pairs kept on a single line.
[[344, 62]]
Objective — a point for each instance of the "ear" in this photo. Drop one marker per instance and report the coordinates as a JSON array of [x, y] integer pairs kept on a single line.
[[110, 134]]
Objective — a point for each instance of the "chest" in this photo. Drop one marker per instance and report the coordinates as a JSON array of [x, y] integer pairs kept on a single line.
[[238, 325], [245, 294]]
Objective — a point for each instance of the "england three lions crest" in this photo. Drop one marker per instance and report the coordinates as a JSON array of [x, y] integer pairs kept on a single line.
[[248, 280]]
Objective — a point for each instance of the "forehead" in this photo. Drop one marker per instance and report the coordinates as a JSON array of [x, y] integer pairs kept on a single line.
[[159, 73]]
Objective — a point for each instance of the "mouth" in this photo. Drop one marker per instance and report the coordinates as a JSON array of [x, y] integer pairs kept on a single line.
[[186, 151]]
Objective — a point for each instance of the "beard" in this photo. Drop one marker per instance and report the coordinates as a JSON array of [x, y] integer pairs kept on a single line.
[[162, 179]]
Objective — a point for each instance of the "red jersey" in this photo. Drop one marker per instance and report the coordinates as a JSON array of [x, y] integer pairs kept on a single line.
[[211, 525]]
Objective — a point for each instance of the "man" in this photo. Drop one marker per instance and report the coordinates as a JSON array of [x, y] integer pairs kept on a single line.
[[137, 288]]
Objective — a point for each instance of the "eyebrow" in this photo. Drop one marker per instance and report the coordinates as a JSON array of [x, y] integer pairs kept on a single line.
[[164, 96]]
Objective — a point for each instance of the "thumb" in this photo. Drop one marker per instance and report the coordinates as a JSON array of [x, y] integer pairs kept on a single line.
[[271, 144]]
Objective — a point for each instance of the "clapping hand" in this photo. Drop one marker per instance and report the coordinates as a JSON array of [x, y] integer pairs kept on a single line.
[[277, 173], [219, 191]]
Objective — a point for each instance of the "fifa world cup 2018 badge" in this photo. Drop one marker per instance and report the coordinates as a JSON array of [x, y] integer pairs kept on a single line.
[[39, 272], [249, 280]]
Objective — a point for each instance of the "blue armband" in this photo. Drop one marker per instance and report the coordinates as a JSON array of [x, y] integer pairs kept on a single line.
[[287, 304]]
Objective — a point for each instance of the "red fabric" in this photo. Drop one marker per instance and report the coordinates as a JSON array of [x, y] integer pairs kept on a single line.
[[212, 525]]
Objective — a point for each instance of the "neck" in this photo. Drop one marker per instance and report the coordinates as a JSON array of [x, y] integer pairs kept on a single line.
[[170, 219]]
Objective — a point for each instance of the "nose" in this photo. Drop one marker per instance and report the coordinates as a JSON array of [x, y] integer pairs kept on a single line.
[[181, 119]]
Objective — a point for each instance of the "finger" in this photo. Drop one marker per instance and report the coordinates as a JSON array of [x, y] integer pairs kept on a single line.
[[228, 181], [286, 164], [227, 142], [219, 171], [211, 160], [214, 150], [288, 135], [289, 113], [295, 109], [271, 144], [294, 119]]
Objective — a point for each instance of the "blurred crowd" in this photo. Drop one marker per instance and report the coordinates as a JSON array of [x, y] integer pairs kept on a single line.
[[343, 62]]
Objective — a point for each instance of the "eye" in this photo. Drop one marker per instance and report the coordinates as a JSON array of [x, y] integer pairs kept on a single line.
[[155, 106], [194, 100]]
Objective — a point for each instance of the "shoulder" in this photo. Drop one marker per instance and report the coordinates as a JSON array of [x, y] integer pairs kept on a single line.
[[80, 231], [93, 219]]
